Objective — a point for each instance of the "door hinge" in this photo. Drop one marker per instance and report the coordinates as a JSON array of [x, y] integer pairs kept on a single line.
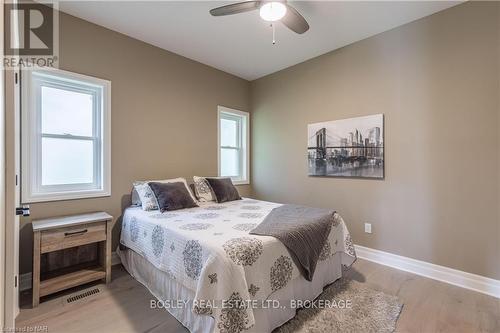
[[16, 180], [15, 281], [16, 79]]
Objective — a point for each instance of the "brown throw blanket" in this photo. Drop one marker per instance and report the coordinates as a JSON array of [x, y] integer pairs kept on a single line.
[[303, 230]]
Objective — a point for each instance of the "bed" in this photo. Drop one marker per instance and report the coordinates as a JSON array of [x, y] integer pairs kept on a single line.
[[213, 276]]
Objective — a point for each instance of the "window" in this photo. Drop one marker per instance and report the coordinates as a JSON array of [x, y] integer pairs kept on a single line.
[[66, 130], [233, 145]]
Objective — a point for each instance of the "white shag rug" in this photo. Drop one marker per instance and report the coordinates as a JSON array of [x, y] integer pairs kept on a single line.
[[369, 311]]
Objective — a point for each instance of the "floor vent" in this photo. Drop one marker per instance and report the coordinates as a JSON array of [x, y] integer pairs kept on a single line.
[[83, 295]]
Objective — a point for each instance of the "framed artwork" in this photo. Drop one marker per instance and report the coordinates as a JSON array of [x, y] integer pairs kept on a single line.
[[351, 147]]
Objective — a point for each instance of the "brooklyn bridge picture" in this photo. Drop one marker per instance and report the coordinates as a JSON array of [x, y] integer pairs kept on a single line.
[[351, 147]]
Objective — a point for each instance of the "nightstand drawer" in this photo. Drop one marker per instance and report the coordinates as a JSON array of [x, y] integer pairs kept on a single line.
[[63, 238]]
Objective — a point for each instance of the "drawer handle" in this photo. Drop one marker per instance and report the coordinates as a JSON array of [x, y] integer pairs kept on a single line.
[[73, 233]]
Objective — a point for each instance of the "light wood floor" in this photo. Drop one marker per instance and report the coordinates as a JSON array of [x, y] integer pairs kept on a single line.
[[123, 306]]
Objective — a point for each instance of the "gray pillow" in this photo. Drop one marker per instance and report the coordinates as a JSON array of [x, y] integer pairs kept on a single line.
[[136, 198], [223, 189], [172, 196]]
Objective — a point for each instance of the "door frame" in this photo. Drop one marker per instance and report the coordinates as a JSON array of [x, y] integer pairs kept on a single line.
[[12, 195], [11, 164], [2, 178]]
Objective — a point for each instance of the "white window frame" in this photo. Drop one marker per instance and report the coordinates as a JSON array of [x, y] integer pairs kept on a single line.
[[243, 142], [31, 136]]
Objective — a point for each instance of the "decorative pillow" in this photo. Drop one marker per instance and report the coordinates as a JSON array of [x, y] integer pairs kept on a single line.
[[191, 188], [134, 196], [137, 199], [224, 189], [146, 195], [202, 189], [172, 196]]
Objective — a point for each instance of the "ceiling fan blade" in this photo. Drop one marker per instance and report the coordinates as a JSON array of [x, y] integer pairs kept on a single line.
[[294, 21], [235, 8]]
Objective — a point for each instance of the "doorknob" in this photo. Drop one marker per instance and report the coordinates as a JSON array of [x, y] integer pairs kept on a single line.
[[24, 210]]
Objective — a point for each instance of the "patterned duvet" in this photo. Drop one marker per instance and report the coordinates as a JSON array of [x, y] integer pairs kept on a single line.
[[208, 250]]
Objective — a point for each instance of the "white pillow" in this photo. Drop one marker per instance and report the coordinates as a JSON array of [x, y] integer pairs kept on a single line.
[[202, 189], [146, 195], [136, 200]]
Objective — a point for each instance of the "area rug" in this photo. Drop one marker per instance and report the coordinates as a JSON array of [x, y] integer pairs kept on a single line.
[[346, 306]]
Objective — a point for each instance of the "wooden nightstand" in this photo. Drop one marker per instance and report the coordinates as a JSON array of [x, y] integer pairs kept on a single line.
[[60, 233]]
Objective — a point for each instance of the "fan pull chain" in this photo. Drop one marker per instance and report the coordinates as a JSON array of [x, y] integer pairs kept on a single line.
[[274, 34]]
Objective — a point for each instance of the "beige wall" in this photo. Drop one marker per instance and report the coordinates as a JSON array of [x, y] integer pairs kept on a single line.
[[164, 115], [437, 82]]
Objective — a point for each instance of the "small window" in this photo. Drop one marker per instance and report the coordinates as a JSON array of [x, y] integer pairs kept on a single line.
[[65, 136], [233, 145]]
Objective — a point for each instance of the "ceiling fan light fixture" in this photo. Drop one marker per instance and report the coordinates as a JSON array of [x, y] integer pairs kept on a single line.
[[272, 11]]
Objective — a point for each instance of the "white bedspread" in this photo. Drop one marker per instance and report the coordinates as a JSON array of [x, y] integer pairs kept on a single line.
[[208, 250]]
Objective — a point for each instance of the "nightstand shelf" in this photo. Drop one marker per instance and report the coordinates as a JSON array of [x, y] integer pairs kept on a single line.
[[69, 280], [56, 234]]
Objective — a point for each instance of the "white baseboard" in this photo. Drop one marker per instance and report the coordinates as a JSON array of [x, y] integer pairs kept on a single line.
[[25, 279], [444, 274]]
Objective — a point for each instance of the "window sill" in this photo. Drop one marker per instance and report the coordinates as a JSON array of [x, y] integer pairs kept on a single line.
[[241, 182], [65, 196]]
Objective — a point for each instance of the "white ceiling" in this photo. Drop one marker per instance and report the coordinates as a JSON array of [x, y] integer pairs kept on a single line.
[[241, 44]]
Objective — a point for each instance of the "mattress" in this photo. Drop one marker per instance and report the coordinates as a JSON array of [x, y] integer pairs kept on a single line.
[[227, 273]]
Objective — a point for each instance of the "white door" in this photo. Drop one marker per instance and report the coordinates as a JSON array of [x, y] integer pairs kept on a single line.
[[12, 198], [12, 193], [2, 181]]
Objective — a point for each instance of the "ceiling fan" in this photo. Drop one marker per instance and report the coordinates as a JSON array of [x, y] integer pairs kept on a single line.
[[270, 10]]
